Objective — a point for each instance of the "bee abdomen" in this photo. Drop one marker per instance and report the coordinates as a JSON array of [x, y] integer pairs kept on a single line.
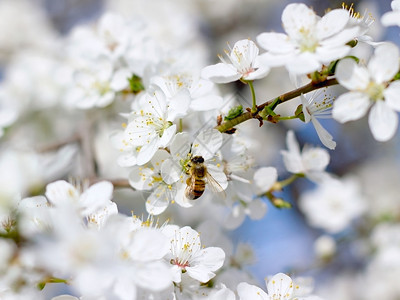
[[196, 190]]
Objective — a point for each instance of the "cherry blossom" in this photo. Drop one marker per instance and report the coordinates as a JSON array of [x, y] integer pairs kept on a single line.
[[187, 255], [392, 17], [371, 86], [244, 64], [310, 161], [310, 41]]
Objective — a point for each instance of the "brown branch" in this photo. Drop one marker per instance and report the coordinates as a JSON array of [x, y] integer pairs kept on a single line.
[[281, 99]]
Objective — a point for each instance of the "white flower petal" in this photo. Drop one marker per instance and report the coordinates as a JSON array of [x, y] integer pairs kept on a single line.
[[352, 76], [392, 95], [207, 143], [205, 263], [180, 146], [127, 160], [382, 121], [167, 136], [276, 60], [332, 23], [158, 159], [201, 88], [264, 178], [350, 106], [179, 105], [257, 209], [223, 293], [120, 79], [325, 137], [297, 18], [243, 53], [384, 64], [61, 192], [98, 195], [315, 159], [326, 55], [141, 178], [341, 38], [275, 42], [235, 217], [251, 292], [159, 199], [147, 152], [304, 102], [280, 284], [171, 171], [291, 142], [156, 276], [391, 18], [207, 102], [148, 244], [220, 73], [303, 63]]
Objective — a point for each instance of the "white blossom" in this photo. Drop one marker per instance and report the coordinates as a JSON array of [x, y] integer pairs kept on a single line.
[[371, 87], [187, 255], [315, 107], [279, 287], [310, 161], [149, 128], [310, 41], [392, 17], [333, 205], [243, 64], [149, 178]]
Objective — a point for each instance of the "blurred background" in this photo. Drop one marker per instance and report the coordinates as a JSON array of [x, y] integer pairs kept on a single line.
[[355, 263]]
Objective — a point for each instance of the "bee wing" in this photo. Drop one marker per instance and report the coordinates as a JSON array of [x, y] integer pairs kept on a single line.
[[214, 186]]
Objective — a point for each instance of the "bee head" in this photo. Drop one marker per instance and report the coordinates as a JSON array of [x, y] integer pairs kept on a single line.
[[197, 159]]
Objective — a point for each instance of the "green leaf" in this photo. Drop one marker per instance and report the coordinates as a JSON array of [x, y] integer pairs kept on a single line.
[[41, 285], [136, 84], [299, 112], [234, 112]]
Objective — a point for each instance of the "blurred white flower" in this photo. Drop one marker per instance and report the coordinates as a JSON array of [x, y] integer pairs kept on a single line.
[[32, 24], [392, 17], [96, 84], [325, 247], [311, 161], [264, 179], [88, 202], [333, 205]]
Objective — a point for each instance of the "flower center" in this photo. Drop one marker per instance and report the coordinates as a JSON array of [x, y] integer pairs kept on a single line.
[[102, 87], [375, 90], [308, 42]]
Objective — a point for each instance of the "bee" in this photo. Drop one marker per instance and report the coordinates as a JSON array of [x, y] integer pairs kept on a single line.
[[199, 177]]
